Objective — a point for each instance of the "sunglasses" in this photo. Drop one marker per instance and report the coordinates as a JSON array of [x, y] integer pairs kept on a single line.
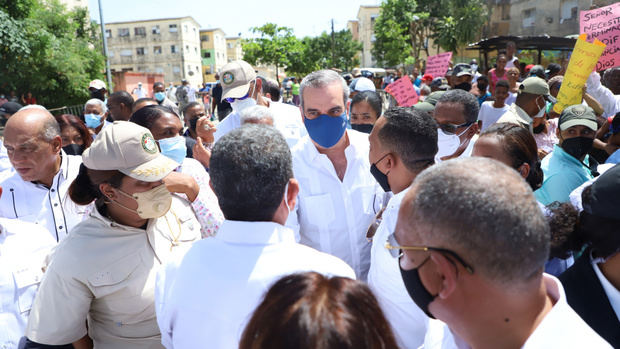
[[451, 128]]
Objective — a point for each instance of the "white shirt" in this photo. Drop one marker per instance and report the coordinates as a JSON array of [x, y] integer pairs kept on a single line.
[[489, 114], [609, 101], [286, 118], [512, 97], [23, 248], [333, 216], [575, 195], [139, 92], [511, 63], [207, 297], [408, 321], [560, 328], [51, 207], [612, 293]]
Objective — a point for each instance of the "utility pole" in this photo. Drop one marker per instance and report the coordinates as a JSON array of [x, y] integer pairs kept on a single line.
[[105, 49], [333, 46]]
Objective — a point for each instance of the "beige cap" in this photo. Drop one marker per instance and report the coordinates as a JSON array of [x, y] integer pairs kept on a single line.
[[536, 86], [97, 84], [235, 79], [130, 149]]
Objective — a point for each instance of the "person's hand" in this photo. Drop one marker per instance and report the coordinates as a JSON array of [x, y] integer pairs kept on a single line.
[[182, 183], [202, 153], [205, 129]]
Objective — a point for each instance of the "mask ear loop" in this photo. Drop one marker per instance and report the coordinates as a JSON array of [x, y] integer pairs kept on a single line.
[[286, 198]]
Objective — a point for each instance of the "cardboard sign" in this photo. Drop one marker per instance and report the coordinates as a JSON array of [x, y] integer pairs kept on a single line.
[[603, 24], [582, 61], [402, 90], [438, 65]]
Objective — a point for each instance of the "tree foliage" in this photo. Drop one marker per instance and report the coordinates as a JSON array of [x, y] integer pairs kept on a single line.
[[322, 52], [49, 51], [392, 32]]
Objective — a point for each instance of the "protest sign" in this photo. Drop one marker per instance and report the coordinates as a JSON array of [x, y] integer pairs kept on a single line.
[[402, 90], [438, 65], [582, 62], [603, 24]]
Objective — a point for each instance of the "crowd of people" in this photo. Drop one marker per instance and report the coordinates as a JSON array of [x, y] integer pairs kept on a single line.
[[477, 218]]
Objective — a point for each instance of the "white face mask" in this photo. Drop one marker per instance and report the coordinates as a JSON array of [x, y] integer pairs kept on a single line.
[[239, 105], [448, 144], [542, 110]]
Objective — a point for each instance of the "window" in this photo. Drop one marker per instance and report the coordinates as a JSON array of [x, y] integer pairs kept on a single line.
[[229, 45], [172, 28], [204, 38], [197, 69], [159, 70], [108, 33], [569, 9], [529, 17], [176, 69], [207, 54], [155, 29], [196, 50], [157, 50], [110, 53], [126, 53], [140, 51], [127, 69], [187, 48], [194, 30], [173, 49], [185, 28], [505, 12], [139, 31], [123, 31]]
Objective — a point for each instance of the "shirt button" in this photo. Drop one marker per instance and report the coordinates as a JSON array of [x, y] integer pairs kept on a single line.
[[55, 204], [53, 190], [60, 227]]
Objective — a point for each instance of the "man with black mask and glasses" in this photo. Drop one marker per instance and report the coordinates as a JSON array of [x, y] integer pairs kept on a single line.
[[569, 165], [472, 242]]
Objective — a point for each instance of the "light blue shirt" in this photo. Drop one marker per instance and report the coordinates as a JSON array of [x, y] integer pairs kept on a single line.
[[614, 158], [563, 173]]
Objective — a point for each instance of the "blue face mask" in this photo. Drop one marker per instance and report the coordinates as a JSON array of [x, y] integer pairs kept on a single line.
[[326, 130], [92, 120], [159, 96], [174, 148]]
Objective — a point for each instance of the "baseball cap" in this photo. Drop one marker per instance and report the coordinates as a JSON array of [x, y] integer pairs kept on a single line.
[[427, 77], [553, 68], [536, 86], [577, 114], [604, 197], [438, 82], [537, 70], [528, 68], [9, 108], [429, 103], [96, 84], [362, 84], [461, 69], [236, 79], [130, 149]]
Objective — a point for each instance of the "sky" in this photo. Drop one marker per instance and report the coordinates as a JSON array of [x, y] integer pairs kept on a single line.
[[307, 18]]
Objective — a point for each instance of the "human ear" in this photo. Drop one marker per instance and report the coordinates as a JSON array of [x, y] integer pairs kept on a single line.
[[524, 170], [448, 273], [107, 190]]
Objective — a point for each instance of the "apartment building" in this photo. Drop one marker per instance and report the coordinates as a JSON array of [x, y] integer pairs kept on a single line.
[[169, 46], [366, 17], [213, 51], [234, 52]]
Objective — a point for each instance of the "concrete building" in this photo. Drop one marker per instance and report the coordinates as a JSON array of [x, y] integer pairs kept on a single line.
[[365, 28], [169, 46], [213, 52], [234, 52]]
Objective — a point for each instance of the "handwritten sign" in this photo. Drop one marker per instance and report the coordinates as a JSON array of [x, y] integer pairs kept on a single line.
[[582, 61], [403, 91], [438, 65], [603, 24]]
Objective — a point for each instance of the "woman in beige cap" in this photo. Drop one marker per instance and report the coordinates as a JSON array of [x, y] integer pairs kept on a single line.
[[99, 287]]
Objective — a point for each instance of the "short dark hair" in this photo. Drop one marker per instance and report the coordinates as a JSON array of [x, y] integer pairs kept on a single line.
[[372, 98], [502, 83], [464, 98], [270, 86], [147, 116], [250, 167], [520, 146], [190, 105], [484, 78], [158, 83], [310, 310], [122, 97], [411, 134]]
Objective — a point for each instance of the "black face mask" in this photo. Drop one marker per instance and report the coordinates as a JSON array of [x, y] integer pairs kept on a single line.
[[366, 128], [98, 94], [192, 124], [380, 177], [73, 149], [421, 297], [577, 147], [539, 128], [463, 86]]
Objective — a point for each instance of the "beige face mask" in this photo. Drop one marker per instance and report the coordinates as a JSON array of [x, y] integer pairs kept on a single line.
[[153, 203]]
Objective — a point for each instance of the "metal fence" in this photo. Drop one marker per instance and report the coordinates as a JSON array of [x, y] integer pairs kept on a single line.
[[73, 109]]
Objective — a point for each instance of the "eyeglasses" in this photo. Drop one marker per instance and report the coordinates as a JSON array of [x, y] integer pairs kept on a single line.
[[372, 228], [232, 99], [451, 128], [424, 253]]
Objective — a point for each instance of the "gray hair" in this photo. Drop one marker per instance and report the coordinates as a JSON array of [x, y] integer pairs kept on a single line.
[[486, 211], [50, 129], [96, 101], [256, 114], [425, 90], [250, 167], [322, 78], [464, 98]]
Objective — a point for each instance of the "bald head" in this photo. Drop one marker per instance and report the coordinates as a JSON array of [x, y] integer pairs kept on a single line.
[[483, 210], [34, 120]]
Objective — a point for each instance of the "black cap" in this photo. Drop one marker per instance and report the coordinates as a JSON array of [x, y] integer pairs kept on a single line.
[[553, 68], [604, 200], [9, 108], [537, 70], [461, 69]]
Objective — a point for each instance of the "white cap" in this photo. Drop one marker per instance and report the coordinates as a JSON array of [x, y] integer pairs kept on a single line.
[[364, 84], [97, 84]]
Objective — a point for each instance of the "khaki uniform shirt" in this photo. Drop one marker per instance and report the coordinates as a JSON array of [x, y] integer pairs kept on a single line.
[[516, 115], [105, 272]]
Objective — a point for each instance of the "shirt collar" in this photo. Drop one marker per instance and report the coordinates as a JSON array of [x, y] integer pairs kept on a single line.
[[64, 164], [522, 115], [314, 152], [261, 233], [557, 149]]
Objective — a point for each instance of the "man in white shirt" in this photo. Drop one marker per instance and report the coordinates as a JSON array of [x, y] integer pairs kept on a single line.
[[139, 92], [456, 113], [338, 196], [609, 96], [403, 142], [207, 297], [23, 249], [242, 88], [38, 189], [474, 244], [491, 111]]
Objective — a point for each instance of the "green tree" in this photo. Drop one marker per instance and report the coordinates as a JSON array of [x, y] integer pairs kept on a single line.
[[274, 46], [392, 32], [322, 53], [462, 25], [51, 52]]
